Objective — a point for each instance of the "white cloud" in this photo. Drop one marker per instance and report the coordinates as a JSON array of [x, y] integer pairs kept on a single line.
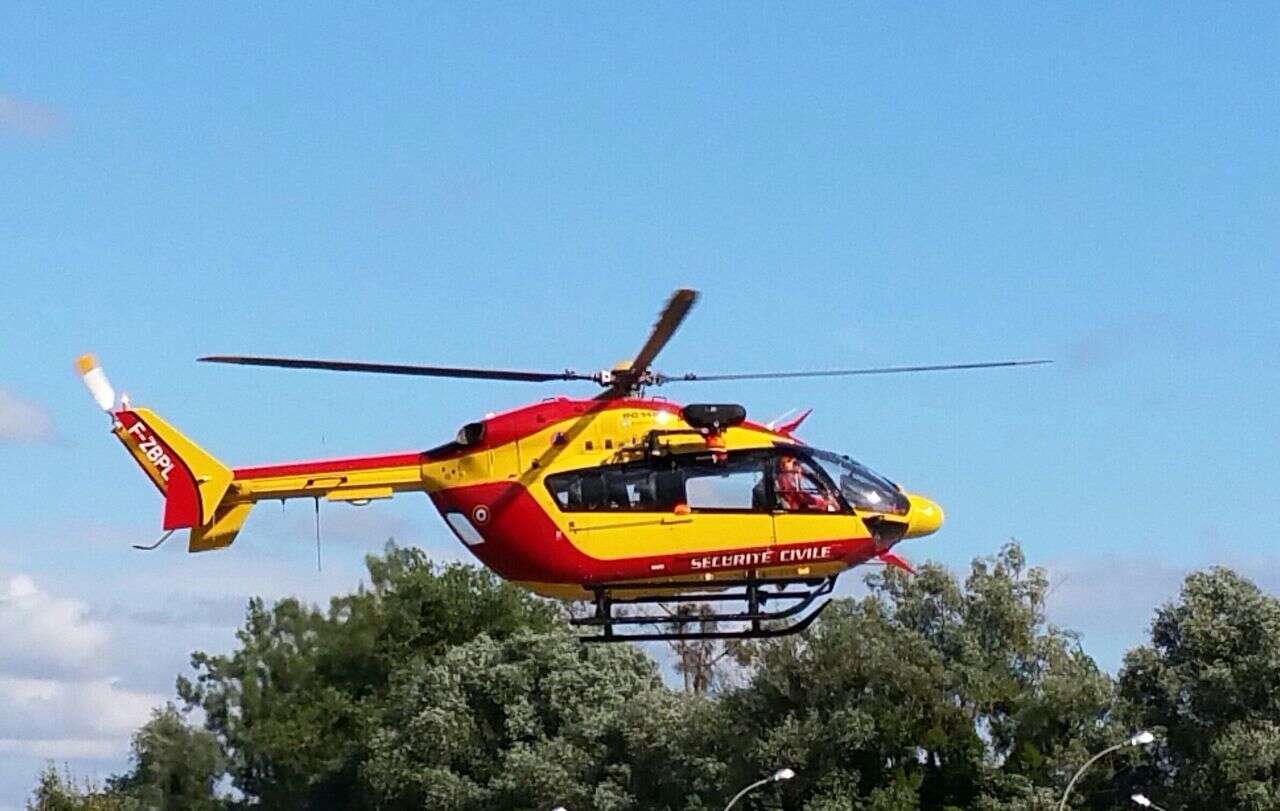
[[28, 118], [55, 699], [44, 709], [1111, 599], [43, 635], [61, 749], [22, 420], [1109, 590], [68, 630]]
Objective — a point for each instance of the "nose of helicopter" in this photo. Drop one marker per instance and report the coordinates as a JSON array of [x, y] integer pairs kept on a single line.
[[924, 517]]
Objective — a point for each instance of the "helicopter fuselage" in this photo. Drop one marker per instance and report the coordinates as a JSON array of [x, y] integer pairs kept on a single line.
[[569, 494]]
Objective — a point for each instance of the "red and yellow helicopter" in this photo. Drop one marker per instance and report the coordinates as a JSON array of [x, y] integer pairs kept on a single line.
[[619, 499]]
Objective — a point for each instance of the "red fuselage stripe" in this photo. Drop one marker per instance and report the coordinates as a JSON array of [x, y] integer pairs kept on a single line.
[[329, 465]]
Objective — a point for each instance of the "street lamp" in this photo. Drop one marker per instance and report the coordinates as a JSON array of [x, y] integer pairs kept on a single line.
[[1141, 799], [779, 775], [1141, 739]]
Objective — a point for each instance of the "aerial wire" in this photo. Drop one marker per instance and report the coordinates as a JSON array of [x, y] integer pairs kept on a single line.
[[318, 567]]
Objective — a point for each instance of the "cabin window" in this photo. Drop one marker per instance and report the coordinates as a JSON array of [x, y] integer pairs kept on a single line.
[[737, 483], [464, 529], [618, 487], [734, 484]]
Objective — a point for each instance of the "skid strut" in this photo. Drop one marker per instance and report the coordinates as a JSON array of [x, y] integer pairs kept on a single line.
[[754, 594]]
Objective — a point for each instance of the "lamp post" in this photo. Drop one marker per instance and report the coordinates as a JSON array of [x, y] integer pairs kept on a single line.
[[1141, 799], [1141, 739], [779, 775]]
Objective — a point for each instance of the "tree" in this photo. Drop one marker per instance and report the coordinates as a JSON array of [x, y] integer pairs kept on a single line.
[[57, 791], [535, 721], [706, 665], [290, 707], [1209, 684], [175, 767], [443, 687], [927, 693]]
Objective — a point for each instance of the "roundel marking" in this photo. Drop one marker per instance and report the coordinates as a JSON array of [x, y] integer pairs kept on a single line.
[[480, 514]]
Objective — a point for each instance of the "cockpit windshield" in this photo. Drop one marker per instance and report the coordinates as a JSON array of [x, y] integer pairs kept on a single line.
[[863, 488]]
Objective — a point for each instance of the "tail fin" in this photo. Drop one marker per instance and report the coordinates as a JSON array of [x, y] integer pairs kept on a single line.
[[195, 485], [192, 481]]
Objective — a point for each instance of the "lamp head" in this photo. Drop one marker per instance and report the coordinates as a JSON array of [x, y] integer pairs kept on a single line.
[[1143, 738], [783, 774]]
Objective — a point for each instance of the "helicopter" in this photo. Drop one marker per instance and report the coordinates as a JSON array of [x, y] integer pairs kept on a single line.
[[631, 502]]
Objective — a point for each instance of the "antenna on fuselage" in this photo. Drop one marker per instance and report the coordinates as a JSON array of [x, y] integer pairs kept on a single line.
[[318, 567]]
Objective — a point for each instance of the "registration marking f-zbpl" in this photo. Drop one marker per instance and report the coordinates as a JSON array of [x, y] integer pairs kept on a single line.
[[151, 448]]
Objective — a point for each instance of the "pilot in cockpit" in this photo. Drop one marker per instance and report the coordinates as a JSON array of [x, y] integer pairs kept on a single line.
[[799, 490]]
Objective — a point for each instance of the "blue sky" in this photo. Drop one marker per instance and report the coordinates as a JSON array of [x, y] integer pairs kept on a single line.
[[523, 185]]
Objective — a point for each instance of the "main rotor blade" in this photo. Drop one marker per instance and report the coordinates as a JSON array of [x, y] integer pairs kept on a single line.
[[402, 369], [675, 311], [884, 370]]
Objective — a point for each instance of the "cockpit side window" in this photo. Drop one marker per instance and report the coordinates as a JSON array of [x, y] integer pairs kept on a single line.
[[801, 486], [861, 487]]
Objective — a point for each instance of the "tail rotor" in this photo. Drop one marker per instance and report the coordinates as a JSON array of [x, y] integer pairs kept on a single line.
[[95, 380]]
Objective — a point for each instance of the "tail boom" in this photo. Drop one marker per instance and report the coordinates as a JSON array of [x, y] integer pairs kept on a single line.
[[363, 478], [212, 500]]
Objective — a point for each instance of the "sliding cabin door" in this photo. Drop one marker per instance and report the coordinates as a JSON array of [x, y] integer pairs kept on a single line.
[[684, 511]]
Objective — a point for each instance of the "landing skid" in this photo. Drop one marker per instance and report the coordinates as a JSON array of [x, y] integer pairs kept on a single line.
[[754, 594]]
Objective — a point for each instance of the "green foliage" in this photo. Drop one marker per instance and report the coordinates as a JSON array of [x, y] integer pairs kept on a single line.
[[292, 706], [444, 688], [58, 791], [928, 693], [174, 766], [1209, 683], [534, 721]]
